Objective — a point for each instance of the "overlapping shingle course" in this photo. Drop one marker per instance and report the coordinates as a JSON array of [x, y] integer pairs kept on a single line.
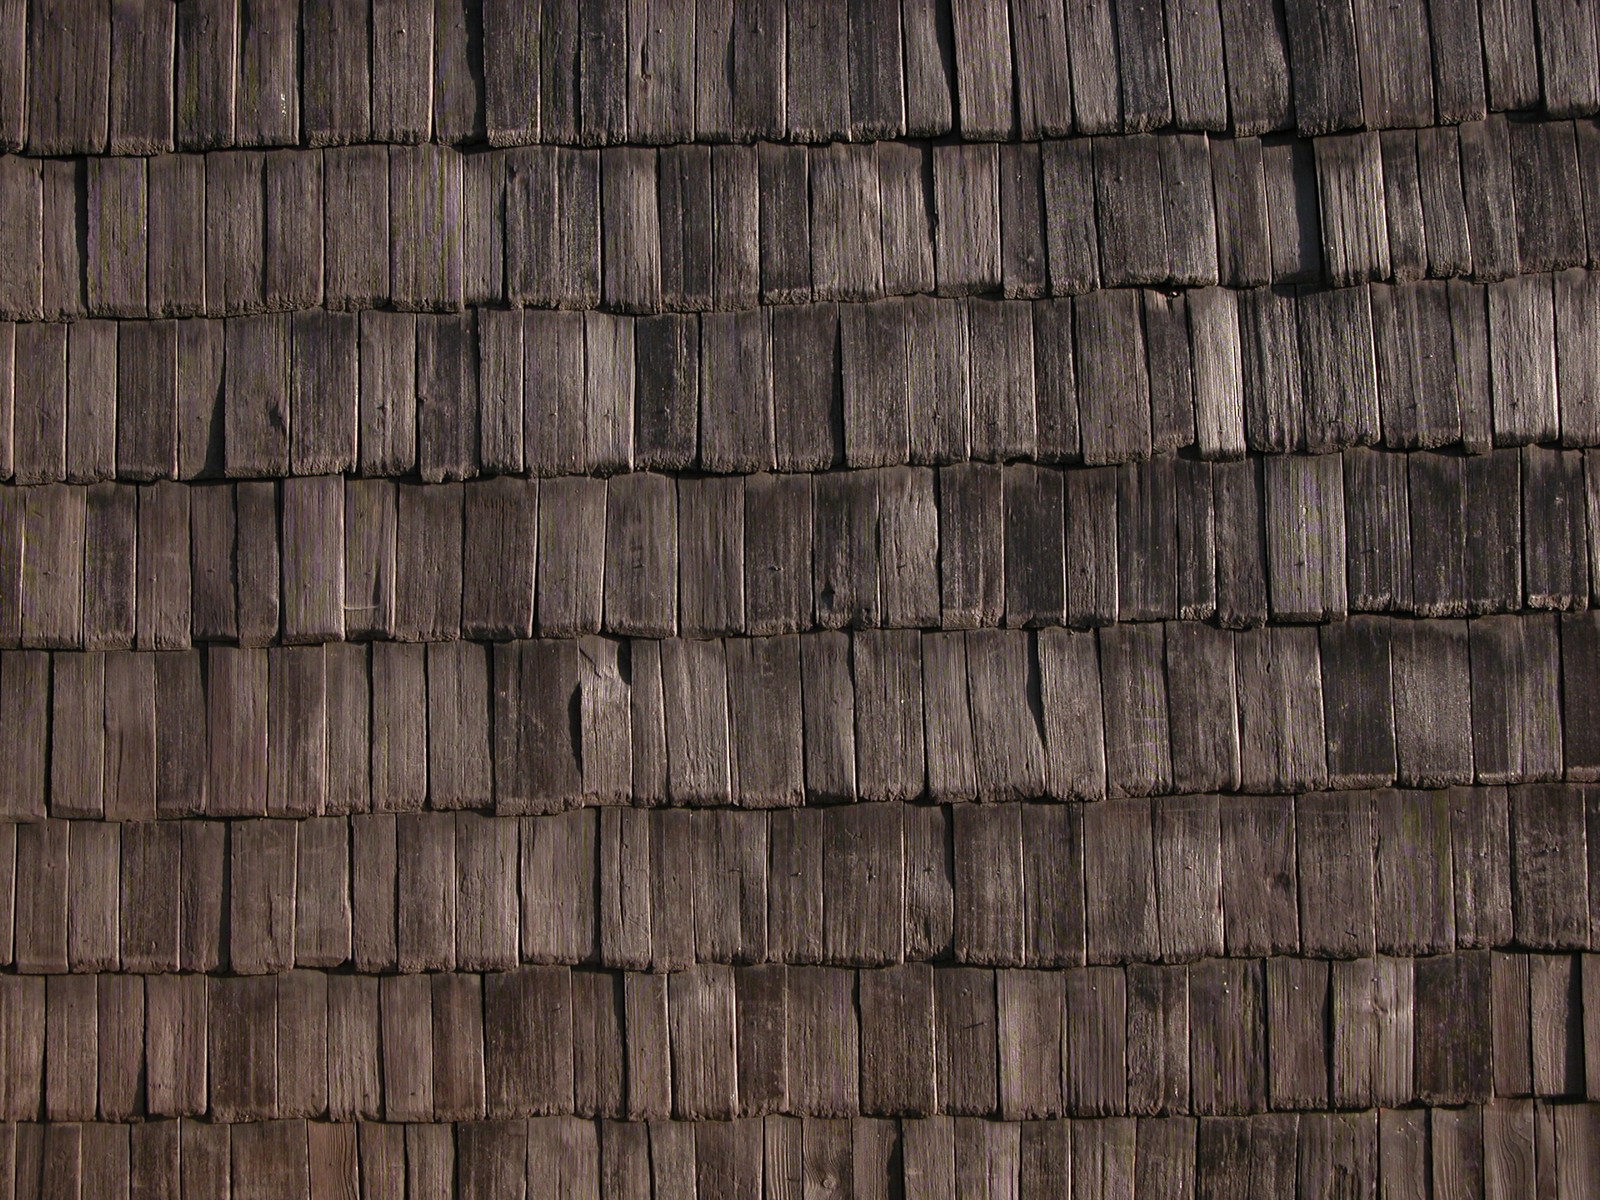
[[738, 598]]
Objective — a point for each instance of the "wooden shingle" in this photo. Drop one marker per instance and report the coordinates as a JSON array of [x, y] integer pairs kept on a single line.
[[1515, 721], [1547, 865], [632, 266], [1555, 551], [428, 564], [459, 764], [1444, 211], [1142, 65], [1295, 226], [1402, 187], [128, 768], [1119, 876], [447, 401], [77, 735], [983, 72], [558, 921], [91, 404], [1544, 182], [1113, 381], [498, 548], [1243, 243], [355, 254], [1437, 492], [1188, 876], [710, 543], [1001, 378], [1069, 187], [684, 220], [1270, 367], [666, 391], [1334, 842], [603, 720], [1432, 697], [1007, 735], [704, 1075], [569, 587], [1030, 1010], [1491, 204], [1219, 404], [388, 406], [846, 207], [111, 575], [987, 851], [1281, 731], [1055, 384], [1091, 50], [1133, 235], [1158, 1038], [735, 231], [777, 565], [1418, 395], [1452, 992], [795, 885], [970, 518], [1576, 297], [1204, 725], [93, 853], [1091, 550], [1146, 541], [1134, 695], [764, 692], [1094, 1065], [1023, 268], [53, 527], [1414, 884], [64, 267], [1259, 875], [1035, 583], [69, 52], [728, 853], [823, 1026], [1358, 707], [1227, 1037], [425, 198], [486, 858], [1578, 661], [22, 200], [292, 257], [597, 1043], [761, 1003], [1521, 367], [785, 263], [426, 909], [966, 204]]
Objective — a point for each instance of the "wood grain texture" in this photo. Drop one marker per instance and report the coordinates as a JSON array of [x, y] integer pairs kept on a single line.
[[844, 549], [1092, 551]]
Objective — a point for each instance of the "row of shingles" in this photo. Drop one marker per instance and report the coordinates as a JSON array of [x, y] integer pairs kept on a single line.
[[1500, 1150], [1110, 377], [972, 546], [1215, 1037], [1344, 875], [692, 228], [139, 79], [274, 73], [536, 726]]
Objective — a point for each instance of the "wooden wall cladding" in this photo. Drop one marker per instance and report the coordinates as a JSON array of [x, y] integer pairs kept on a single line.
[[758, 598]]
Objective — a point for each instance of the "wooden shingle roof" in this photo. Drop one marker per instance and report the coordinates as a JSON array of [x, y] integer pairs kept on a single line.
[[699, 599]]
